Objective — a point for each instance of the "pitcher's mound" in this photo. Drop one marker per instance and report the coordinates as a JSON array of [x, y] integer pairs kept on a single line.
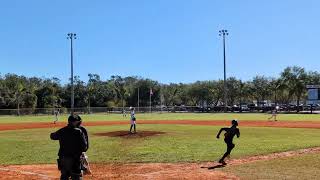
[[127, 134]]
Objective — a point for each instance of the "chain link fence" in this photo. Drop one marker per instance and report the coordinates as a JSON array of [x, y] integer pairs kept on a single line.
[[96, 110], [101, 110], [169, 109]]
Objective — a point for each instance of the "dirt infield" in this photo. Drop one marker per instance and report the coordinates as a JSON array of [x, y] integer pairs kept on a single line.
[[118, 171], [243, 123], [29, 172], [126, 134], [205, 170]]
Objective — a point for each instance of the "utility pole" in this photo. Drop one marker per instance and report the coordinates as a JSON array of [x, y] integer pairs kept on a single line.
[[72, 36], [224, 33]]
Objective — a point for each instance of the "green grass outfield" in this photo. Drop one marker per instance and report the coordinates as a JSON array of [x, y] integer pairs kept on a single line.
[[167, 116], [181, 143], [302, 167]]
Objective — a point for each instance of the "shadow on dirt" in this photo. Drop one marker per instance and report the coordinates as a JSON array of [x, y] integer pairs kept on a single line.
[[215, 167]]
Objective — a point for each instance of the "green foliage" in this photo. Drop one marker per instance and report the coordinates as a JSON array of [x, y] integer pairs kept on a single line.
[[295, 80], [21, 92], [260, 88]]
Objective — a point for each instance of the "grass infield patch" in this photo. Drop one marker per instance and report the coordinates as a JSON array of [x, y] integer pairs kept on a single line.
[[180, 143]]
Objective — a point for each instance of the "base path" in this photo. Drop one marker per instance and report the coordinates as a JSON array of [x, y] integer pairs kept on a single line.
[[261, 123], [144, 171]]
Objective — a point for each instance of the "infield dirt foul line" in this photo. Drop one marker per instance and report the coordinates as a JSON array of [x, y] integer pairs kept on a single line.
[[145, 170]]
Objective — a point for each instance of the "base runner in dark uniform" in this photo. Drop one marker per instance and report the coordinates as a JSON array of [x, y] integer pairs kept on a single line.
[[228, 138], [72, 143]]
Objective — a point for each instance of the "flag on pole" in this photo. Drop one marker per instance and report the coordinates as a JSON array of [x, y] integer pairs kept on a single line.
[[151, 93]]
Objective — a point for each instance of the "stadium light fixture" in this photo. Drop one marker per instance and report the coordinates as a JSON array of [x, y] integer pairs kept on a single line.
[[72, 36], [224, 33]]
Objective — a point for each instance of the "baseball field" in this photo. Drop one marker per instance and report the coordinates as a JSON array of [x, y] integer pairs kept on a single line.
[[168, 146]]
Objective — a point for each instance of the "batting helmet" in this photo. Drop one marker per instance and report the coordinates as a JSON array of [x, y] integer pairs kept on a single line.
[[234, 122], [73, 118]]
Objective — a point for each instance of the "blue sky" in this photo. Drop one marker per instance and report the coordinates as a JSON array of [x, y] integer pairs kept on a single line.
[[165, 40]]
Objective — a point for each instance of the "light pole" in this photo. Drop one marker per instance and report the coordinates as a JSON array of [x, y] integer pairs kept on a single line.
[[241, 93], [224, 33], [72, 36], [138, 99]]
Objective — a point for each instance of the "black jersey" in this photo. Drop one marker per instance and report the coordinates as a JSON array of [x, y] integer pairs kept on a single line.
[[230, 133], [72, 141], [85, 133]]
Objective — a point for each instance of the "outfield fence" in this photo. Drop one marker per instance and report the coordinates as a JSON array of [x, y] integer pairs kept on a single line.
[[95, 110], [167, 109]]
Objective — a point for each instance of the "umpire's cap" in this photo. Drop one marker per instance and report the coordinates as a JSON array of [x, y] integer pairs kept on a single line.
[[234, 122], [73, 118]]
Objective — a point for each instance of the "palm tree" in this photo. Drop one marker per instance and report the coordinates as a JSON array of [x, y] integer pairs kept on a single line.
[[295, 79], [20, 90]]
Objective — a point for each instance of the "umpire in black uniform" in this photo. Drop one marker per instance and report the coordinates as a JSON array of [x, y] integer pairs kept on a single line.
[[84, 161], [72, 143]]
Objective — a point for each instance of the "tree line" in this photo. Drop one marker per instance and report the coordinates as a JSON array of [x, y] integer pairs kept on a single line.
[[33, 92]]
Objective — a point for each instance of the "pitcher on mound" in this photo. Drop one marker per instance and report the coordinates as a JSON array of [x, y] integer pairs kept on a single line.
[[132, 120]]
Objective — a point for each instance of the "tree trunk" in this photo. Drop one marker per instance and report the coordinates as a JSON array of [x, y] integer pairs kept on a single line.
[[89, 111], [298, 103], [240, 102], [217, 101], [18, 108], [258, 108], [18, 103], [263, 105]]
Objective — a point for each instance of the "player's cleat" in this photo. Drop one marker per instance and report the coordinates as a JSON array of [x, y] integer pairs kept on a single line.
[[222, 162]]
